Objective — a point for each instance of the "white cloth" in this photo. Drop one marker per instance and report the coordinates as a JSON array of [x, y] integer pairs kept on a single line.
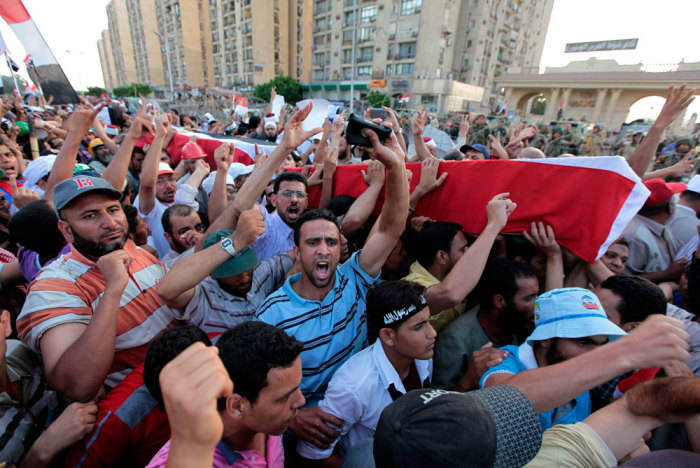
[[153, 219]]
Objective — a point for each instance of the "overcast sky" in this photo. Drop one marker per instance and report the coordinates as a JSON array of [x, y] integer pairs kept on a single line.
[[667, 33]]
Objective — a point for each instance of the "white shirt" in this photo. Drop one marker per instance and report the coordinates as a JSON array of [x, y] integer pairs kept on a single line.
[[153, 219], [357, 394], [278, 237]]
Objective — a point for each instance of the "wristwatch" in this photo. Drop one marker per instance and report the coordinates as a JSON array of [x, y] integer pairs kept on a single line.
[[227, 245]]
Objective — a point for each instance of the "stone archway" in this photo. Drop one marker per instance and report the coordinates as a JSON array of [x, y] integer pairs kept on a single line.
[[632, 100], [522, 106]]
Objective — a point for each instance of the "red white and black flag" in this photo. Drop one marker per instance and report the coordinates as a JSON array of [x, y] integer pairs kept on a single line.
[[42, 66]]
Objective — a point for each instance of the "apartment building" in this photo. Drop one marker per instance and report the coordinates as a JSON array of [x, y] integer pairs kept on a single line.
[[445, 53], [130, 51], [253, 41]]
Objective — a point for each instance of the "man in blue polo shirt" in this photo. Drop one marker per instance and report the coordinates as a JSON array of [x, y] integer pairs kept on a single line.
[[568, 323], [324, 305]]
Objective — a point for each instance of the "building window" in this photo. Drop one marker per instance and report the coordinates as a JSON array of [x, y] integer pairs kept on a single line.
[[388, 70], [369, 14], [364, 70], [407, 50], [366, 54], [347, 36], [347, 56], [367, 34], [318, 75], [404, 69], [347, 73], [409, 7], [349, 18]]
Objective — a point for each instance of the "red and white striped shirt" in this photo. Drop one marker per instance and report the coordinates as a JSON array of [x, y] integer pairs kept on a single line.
[[68, 291]]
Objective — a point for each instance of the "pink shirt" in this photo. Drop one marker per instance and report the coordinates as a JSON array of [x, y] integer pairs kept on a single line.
[[225, 456]]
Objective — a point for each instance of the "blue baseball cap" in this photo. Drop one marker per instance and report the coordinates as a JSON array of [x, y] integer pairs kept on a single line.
[[571, 313], [480, 148]]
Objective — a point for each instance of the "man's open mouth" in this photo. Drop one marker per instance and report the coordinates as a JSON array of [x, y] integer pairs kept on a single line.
[[322, 269]]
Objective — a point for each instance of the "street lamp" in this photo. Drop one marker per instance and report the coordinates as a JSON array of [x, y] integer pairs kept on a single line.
[[352, 59], [167, 55]]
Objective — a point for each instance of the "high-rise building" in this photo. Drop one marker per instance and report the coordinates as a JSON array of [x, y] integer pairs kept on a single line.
[[445, 53], [120, 44], [184, 25], [106, 61], [137, 54]]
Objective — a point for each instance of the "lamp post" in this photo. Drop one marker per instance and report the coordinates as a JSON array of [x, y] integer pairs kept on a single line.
[[352, 59], [167, 56]]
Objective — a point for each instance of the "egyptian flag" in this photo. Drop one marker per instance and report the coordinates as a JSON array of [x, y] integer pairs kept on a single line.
[[587, 201], [43, 67]]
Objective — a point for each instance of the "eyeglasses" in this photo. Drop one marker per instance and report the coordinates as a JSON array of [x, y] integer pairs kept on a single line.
[[290, 194]]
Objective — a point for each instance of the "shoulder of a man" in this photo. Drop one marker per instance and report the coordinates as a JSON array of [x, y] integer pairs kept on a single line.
[[510, 365], [54, 298], [351, 268]]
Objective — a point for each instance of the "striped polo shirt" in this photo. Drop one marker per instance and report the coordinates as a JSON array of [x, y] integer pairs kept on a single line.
[[332, 330], [68, 291]]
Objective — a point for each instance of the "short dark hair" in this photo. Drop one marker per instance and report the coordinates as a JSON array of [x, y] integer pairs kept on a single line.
[[35, 226], [137, 150], [435, 236], [164, 349], [650, 210], [254, 121], [501, 277], [340, 205], [454, 155], [250, 350], [175, 210], [131, 214], [313, 215], [389, 296], [242, 130], [290, 176], [639, 297], [622, 241], [690, 195]]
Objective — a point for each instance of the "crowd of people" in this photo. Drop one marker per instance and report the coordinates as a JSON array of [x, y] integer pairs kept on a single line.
[[185, 291]]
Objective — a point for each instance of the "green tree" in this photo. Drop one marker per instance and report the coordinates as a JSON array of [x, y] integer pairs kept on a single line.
[[95, 91], [284, 85], [377, 99], [134, 89]]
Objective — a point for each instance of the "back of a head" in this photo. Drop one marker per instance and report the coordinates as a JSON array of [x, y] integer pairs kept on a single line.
[[164, 349], [131, 214], [392, 296], [454, 155], [253, 122], [427, 428], [639, 297], [250, 350], [35, 226], [432, 238], [531, 153], [500, 277]]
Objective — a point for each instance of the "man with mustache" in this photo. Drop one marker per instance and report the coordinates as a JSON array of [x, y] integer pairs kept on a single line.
[[324, 305], [92, 313]]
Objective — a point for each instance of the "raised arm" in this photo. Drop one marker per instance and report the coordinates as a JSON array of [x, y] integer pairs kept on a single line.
[[429, 181], [362, 207], [102, 135], [677, 100], [115, 173], [149, 168], [80, 123], [464, 276], [543, 238], [177, 286], [417, 128], [392, 220], [218, 199], [656, 342], [294, 135]]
